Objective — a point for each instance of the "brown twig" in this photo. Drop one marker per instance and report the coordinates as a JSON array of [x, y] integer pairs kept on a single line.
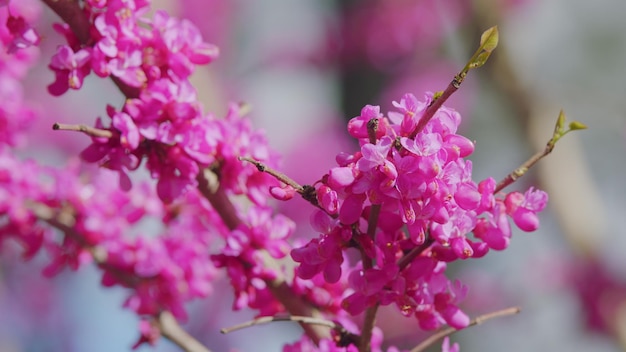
[[293, 318], [559, 131], [90, 131], [488, 42], [521, 171], [408, 258], [372, 221], [436, 104], [368, 328], [476, 321], [306, 191], [370, 313], [219, 200], [298, 306], [171, 330], [277, 174]]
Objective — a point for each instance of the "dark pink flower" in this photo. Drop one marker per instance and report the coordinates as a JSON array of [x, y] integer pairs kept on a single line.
[[524, 208], [129, 133], [411, 111], [494, 229], [70, 68], [150, 334], [445, 347], [24, 35]]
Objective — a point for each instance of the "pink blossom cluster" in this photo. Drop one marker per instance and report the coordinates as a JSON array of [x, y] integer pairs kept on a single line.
[[162, 120], [16, 57], [96, 221], [244, 258], [419, 183], [124, 44]]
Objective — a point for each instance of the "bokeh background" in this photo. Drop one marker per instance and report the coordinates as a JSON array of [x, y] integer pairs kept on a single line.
[[306, 67]]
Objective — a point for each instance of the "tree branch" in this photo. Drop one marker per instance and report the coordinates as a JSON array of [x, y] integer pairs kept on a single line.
[[368, 328], [477, 321], [294, 318], [171, 330], [408, 258], [90, 131]]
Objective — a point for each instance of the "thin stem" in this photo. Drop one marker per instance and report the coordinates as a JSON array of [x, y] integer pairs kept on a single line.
[[277, 174], [220, 202], [297, 306], [365, 344], [306, 191], [368, 263], [90, 131], [488, 42], [372, 221], [171, 330], [368, 328], [293, 318], [436, 104], [521, 171], [476, 321], [414, 253]]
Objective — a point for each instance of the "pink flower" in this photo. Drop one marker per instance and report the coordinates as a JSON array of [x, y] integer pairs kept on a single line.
[[445, 347], [524, 208], [411, 110], [357, 126], [323, 254], [180, 44], [150, 334], [495, 229], [327, 199], [282, 193], [24, 35], [110, 152], [320, 255], [70, 69], [129, 133]]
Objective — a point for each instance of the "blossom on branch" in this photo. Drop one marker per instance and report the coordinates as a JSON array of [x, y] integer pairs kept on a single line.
[[428, 208]]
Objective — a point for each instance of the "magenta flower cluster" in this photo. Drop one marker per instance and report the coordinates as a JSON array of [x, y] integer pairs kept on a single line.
[[97, 219], [427, 203], [16, 58], [405, 203], [162, 120]]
